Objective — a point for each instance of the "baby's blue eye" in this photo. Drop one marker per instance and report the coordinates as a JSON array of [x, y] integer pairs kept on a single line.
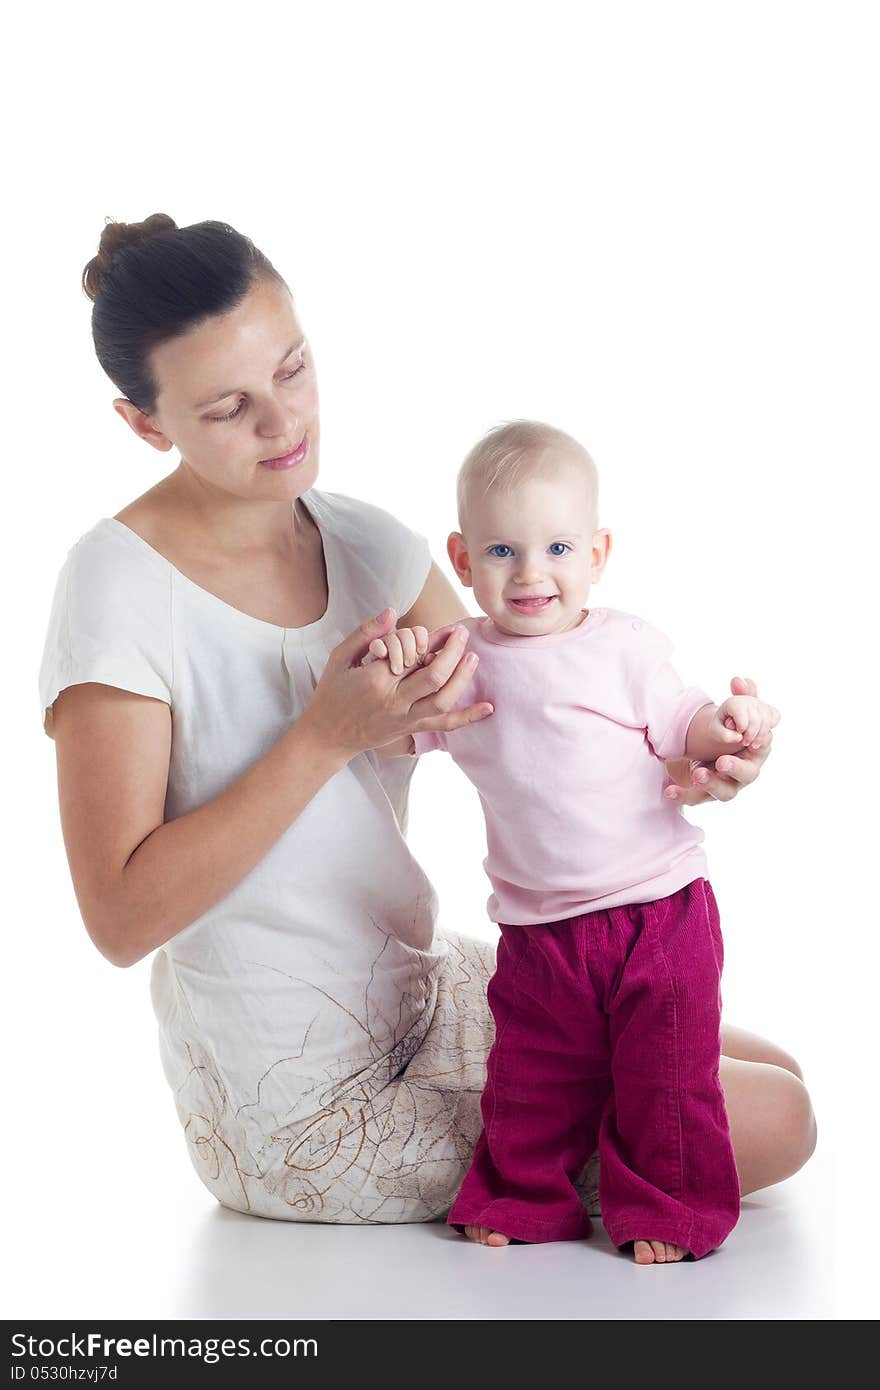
[[495, 549], [558, 548]]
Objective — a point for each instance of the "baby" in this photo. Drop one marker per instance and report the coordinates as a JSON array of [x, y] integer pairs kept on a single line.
[[606, 996]]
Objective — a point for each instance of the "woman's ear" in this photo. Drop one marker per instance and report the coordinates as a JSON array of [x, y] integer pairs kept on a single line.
[[142, 425], [456, 549], [601, 551]]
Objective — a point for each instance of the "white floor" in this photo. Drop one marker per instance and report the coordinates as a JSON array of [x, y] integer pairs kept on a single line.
[[185, 1257]]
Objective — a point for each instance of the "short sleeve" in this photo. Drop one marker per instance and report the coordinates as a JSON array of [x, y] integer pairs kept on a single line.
[[387, 562], [668, 706], [110, 623]]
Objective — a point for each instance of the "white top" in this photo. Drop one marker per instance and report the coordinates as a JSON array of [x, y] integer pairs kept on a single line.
[[313, 980]]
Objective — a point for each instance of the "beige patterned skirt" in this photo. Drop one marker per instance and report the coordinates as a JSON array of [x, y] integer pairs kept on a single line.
[[397, 1154]]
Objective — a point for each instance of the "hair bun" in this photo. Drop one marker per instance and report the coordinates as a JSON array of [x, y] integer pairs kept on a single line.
[[116, 235]]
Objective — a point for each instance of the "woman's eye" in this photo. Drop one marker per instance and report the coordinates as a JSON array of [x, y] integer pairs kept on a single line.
[[496, 551], [559, 548], [232, 414]]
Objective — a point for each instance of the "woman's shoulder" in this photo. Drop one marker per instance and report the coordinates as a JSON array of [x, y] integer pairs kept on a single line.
[[110, 619], [361, 522], [111, 565], [384, 562], [111, 570]]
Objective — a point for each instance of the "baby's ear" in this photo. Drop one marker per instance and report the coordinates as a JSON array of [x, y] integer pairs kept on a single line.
[[602, 541], [456, 549]]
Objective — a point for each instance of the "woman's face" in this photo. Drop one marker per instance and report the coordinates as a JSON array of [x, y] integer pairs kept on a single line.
[[236, 394]]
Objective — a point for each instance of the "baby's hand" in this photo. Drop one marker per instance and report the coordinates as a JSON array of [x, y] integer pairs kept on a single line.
[[403, 648], [749, 718]]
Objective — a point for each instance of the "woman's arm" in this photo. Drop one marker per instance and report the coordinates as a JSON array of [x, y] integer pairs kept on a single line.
[[140, 880]]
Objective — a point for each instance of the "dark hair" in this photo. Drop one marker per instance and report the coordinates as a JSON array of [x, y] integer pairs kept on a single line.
[[152, 281]]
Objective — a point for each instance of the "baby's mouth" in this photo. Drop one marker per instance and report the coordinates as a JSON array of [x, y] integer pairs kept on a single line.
[[533, 603]]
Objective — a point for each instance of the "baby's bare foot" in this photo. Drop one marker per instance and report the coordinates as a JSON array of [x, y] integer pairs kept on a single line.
[[657, 1252], [484, 1235]]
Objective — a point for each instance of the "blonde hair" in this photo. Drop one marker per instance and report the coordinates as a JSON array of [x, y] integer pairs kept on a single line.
[[516, 450]]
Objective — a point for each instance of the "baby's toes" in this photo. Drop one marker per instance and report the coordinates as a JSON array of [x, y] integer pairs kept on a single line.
[[477, 1233], [484, 1235]]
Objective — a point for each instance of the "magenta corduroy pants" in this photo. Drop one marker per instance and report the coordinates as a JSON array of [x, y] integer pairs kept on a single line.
[[608, 1034]]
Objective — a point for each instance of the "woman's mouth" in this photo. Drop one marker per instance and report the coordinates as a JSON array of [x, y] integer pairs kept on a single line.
[[534, 603], [289, 460]]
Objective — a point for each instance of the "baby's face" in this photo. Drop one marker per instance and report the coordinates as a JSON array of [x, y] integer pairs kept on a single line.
[[531, 553]]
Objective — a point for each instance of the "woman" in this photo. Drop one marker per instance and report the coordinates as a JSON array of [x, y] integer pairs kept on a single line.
[[221, 800]]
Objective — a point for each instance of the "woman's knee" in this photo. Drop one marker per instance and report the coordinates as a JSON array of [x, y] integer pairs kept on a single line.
[[772, 1124], [796, 1121]]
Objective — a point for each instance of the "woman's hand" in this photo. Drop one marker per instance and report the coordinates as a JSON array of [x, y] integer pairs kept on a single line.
[[356, 707], [693, 783]]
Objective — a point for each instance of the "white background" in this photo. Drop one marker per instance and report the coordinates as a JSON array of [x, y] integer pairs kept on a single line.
[[653, 225]]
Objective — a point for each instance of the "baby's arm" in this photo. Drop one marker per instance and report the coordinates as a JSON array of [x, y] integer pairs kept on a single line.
[[742, 721]]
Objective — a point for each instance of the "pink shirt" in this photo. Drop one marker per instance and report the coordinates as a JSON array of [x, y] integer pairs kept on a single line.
[[569, 767]]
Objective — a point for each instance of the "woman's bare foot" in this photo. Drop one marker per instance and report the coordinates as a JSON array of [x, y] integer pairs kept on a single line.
[[484, 1235], [657, 1252]]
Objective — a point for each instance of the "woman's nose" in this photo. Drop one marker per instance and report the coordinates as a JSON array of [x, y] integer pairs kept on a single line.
[[277, 421]]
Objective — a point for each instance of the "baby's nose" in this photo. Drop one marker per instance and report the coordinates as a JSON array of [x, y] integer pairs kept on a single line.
[[528, 571]]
